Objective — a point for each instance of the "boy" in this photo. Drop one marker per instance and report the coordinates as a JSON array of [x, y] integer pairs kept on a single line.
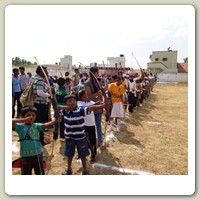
[[75, 131], [90, 129], [29, 137], [60, 94]]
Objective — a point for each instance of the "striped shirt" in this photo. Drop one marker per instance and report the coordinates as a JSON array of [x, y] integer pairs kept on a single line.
[[39, 84], [74, 123]]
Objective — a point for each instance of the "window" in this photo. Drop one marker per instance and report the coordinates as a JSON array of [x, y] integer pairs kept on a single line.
[[164, 59], [156, 59]]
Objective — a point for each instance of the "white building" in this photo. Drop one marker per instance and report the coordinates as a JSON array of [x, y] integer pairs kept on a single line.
[[66, 62], [163, 61], [165, 64], [117, 62]]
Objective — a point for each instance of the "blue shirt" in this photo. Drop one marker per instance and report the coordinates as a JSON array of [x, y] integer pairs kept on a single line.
[[29, 147], [16, 84], [75, 123]]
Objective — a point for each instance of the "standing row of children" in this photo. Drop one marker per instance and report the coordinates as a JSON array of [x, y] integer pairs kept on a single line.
[[76, 123]]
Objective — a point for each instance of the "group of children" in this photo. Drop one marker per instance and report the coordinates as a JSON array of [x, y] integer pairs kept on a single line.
[[76, 125]]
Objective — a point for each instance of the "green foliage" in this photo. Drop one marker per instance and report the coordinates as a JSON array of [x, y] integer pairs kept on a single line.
[[17, 61], [185, 60]]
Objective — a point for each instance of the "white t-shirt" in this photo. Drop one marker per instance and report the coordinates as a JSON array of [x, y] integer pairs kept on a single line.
[[89, 119], [133, 88]]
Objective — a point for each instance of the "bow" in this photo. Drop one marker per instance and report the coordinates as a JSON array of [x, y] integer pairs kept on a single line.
[[56, 112], [142, 76], [106, 108], [142, 73]]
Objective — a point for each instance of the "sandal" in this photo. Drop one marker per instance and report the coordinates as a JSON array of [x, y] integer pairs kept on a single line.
[[67, 172], [85, 173]]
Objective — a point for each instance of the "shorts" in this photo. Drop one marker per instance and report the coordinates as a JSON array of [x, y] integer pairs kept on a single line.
[[32, 162], [81, 145]]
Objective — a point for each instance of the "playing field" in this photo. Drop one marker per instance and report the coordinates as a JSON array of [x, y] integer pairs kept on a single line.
[[153, 139]]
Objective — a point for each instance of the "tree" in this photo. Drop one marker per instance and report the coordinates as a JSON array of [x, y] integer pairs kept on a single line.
[[185, 60], [20, 62], [23, 62], [16, 61]]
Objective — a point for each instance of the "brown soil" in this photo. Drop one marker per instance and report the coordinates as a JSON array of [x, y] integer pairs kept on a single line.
[[153, 139]]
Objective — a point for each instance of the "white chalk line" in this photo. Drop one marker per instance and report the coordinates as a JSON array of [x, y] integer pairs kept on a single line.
[[152, 122], [120, 169]]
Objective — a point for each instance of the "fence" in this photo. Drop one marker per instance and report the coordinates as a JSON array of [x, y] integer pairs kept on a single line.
[[176, 77]]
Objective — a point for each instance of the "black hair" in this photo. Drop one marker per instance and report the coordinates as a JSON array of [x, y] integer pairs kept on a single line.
[[39, 69], [61, 81], [66, 73], [82, 80], [114, 77], [23, 68], [67, 79], [94, 69], [99, 79], [70, 96], [15, 69], [80, 94], [94, 83], [26, 109]]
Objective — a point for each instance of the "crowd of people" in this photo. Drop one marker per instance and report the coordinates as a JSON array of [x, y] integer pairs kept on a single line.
[[81, 101]]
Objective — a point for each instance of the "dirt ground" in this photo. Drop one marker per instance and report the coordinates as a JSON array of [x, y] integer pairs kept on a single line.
[[153, 140]]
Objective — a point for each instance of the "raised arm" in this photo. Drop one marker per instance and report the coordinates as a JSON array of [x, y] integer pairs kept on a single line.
[[20, 120]]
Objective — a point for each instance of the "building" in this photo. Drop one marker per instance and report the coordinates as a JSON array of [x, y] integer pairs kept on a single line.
[[66, 62], [163, 61], [113, 65], [116, 62]]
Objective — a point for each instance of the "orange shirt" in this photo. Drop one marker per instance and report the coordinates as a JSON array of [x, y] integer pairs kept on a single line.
[[116, 92]]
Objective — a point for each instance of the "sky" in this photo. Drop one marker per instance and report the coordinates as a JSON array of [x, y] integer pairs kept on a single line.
[[92, 33]]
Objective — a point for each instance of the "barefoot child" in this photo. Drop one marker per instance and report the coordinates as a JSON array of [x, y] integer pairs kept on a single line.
[[29, 137], [75, 131]]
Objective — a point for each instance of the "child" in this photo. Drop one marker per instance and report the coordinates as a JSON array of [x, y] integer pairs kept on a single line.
[[29, 137], [75, 131], [89, 123], [60, 94], [116, 90]]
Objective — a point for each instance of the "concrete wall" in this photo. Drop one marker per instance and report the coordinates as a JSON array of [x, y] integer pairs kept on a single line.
[[176, 77], [53, 71]]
